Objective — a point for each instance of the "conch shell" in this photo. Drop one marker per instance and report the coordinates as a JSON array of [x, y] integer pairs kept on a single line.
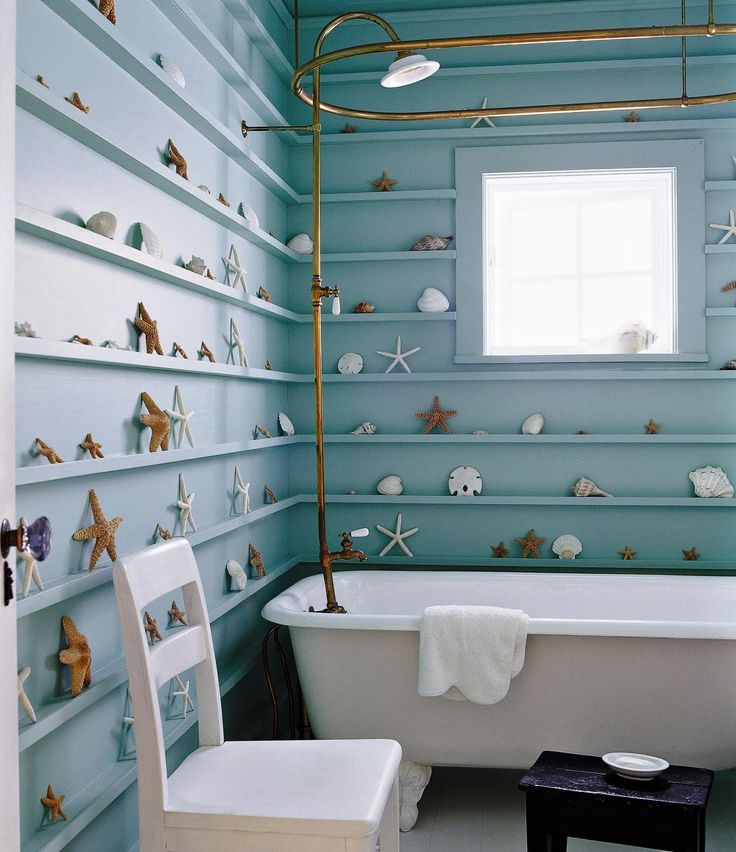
[[587, 488], [364, 429]]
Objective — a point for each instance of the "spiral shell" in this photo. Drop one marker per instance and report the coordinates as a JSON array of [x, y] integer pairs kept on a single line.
[[103, 223], [301, 244], [172, 69], [364, 429], [249, 214], [390, 485], [433, 301], [431, 242], [587, 488], [567, 546], [711, 482], [533, 424], [151, 243]]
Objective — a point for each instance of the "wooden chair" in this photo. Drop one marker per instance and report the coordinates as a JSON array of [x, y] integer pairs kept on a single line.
[[265, 796]]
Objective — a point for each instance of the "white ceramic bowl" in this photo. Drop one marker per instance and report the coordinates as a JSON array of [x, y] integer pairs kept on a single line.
[[627, 764]]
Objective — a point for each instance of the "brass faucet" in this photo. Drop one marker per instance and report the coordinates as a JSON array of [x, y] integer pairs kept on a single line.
[[346, 552]]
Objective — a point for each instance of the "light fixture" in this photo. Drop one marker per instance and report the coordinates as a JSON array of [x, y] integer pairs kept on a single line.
[[407, 69]]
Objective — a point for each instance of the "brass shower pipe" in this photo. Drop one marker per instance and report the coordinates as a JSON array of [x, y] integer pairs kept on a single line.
[[405, 48]]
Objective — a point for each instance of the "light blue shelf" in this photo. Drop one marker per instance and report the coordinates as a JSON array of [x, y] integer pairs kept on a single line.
[[720, 312], [572, 375], [370, 256], [382, 197], [415, 316], [720, 185], [577, 502], [533, 440], [717, 248]]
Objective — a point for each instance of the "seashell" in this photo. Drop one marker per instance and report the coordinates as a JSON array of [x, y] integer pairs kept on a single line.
[[729, 365], [301, 244], [25, 329], [567, 546], [285, 424], [172, 70], [433, 301], [637, 339], [430, 242], [587, 488], [711, 482], [350, 363], [196, 265], [103, 223], [533, 424], [205, 188], [480, 432], [238, 578], [151, 243], [249, 214], [113, 344], [390, 485], [364, 308], [364, 429], [465, 482]]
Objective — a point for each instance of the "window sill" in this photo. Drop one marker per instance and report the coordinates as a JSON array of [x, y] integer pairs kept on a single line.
[[582, 359]]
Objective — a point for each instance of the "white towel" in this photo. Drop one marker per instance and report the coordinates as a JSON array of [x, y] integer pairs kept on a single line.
[[471, 651]]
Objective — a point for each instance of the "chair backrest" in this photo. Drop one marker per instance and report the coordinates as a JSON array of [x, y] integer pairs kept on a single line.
[[140, 578]]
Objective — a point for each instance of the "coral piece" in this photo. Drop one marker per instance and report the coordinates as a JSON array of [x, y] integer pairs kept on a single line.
[[25, 329], [176, 614], [436, 417], [158, 423], [397, 536], [221, 198], [632, 117], [107, 8], [94, 448], [76, 101], [183, 693], [652, 427], [178, 350], [103, 223], [151, 628], [236, 344], [384, 183], [204, 351], [30, 573], [182, 417], [263, 431], [587, 488], [176, 159], [184, 504], [270, 496], [627, 554], [77, 655], [567, 546], [160, 532], [690, 555], [729, 230], [39, 79], [500, 551], [348, 128], [102, 531], [530, 544], [48, 452], [398, 358], [431, 242], [263, 294], [364, 308], [53, 803], [483, 118], [237, 576], [149, 328], [85, 341], [256, 561], [242, 490], [23, 699]]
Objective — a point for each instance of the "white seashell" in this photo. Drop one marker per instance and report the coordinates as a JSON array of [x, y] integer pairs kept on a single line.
[[390, 485], [567, 546], [285, 424], [301, 244], [151, 243], [103, 223], [172, 70], [364, 429], [113, 344], [587, 488], [711, 482], [465, 482], [196, 265], [480, 432], [25, 329], [433, 301], [238, 578], [533, 424], [350, 363], [249, 214], [431, 242], [205, 188]]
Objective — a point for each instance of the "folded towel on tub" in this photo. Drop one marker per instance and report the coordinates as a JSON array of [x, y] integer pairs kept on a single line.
[[471, 651]]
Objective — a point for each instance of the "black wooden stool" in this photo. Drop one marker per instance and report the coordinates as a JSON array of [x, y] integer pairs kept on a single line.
[[573, 795]]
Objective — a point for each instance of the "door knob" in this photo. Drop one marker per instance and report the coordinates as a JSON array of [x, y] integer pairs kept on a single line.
[[35, 537]]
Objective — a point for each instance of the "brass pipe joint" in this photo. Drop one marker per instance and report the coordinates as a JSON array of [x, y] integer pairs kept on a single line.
[[319, 292]]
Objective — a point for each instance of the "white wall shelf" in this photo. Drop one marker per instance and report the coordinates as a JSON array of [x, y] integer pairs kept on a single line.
[[720, 312], [532, 440], [572, 375], [720, 185], [371, 256], [718, 248], [382, 197], [409, 316], [577, 502]]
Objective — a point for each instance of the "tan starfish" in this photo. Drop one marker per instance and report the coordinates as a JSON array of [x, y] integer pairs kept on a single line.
[[652, 427], [221, 198], [256, 561], [149, 328], [627, 554], [102, 531], [263, 294], [179, 162], [39, 79], [161, 533], [48, 452], [53, 803], [632, 117], [384, 183], [263, 431], [436, 417], [270, 496], [349, 128], [107, 8], [177, 614], [151, 628], [499, 550], [94, 448], [77, 655], [690, 555], [85, 341], [179, 351], [76, 101], [530, 544], [158, 422], [206, 352]]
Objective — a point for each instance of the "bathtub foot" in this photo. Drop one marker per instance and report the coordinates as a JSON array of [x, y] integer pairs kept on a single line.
[[413, 778]]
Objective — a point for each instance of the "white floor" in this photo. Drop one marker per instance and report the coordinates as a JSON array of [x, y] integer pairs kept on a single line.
[[481, 810]]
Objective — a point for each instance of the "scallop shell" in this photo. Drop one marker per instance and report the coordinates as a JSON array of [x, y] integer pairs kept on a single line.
[[301, 244], [285, 424], [249, 214], [533, 424], [103, 223], [465, 482], [711, 482], [151, 243], [172, 70], [364, 429], [238, 578], [587, 488], [390, 485], [430, 242], [433, 301], [196, 265], [567, 546]]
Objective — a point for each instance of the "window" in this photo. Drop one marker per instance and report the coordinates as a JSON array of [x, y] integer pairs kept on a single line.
[[580, 262]]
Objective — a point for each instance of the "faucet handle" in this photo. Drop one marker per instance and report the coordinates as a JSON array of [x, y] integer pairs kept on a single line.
[[361, 533]]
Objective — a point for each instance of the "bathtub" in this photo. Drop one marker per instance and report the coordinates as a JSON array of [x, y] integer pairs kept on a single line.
[[613, 663]]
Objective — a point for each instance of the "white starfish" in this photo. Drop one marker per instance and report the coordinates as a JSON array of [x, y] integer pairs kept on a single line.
[[398, 356], [186, 518], [232, 264], [183, 693], [236, 341], [397, 537], [730, 229], [243, 490], [485, 118], [25, 702], [30, 573], [182, 417]]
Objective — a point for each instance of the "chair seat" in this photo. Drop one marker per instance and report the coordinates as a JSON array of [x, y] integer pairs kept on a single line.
[[333, 788]]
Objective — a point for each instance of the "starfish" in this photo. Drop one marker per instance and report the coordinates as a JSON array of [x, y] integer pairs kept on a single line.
[[690, 555], [85, 341], [163, 534], [94, 448], [30, 573], [233, 264], [436, 417], [632, 117], [151, 628], [183, 693], [263, 431], [627, 554], [499, 550], [178, 161], [530, 545], [221, 198], [348, 128], [102, 531], [25, 702], [177, 614], [268, 365], [398, 356], [270, 496], [397, 537], [39, 79], [384, 183], [730, 229], [256, 561], [53, 803], [236, 342], [149, 328], [485, 118], [78, 655], [48, 452], [186, 518], [107, 8], [242, 490], [264, 294], [206, 352], [182, 417], [179, 351], [76, 101], [652, 427], [158, 423]]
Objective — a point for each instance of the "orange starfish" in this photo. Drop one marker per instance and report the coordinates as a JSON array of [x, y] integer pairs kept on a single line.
[[256, 560], [627, 554], [652, 427], [107, 8], [179, 351], [530, 545], [158, 423], [384, 183], [499, 550], [76, 101], [270, 496], [176, 614], [149, 328], [48, 452], [179, 162], [151, 628], [94, 448], [78, 655], [221, 198], [690, 555], [206, 352], [102, 531], [436, 417], [53, 803]]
